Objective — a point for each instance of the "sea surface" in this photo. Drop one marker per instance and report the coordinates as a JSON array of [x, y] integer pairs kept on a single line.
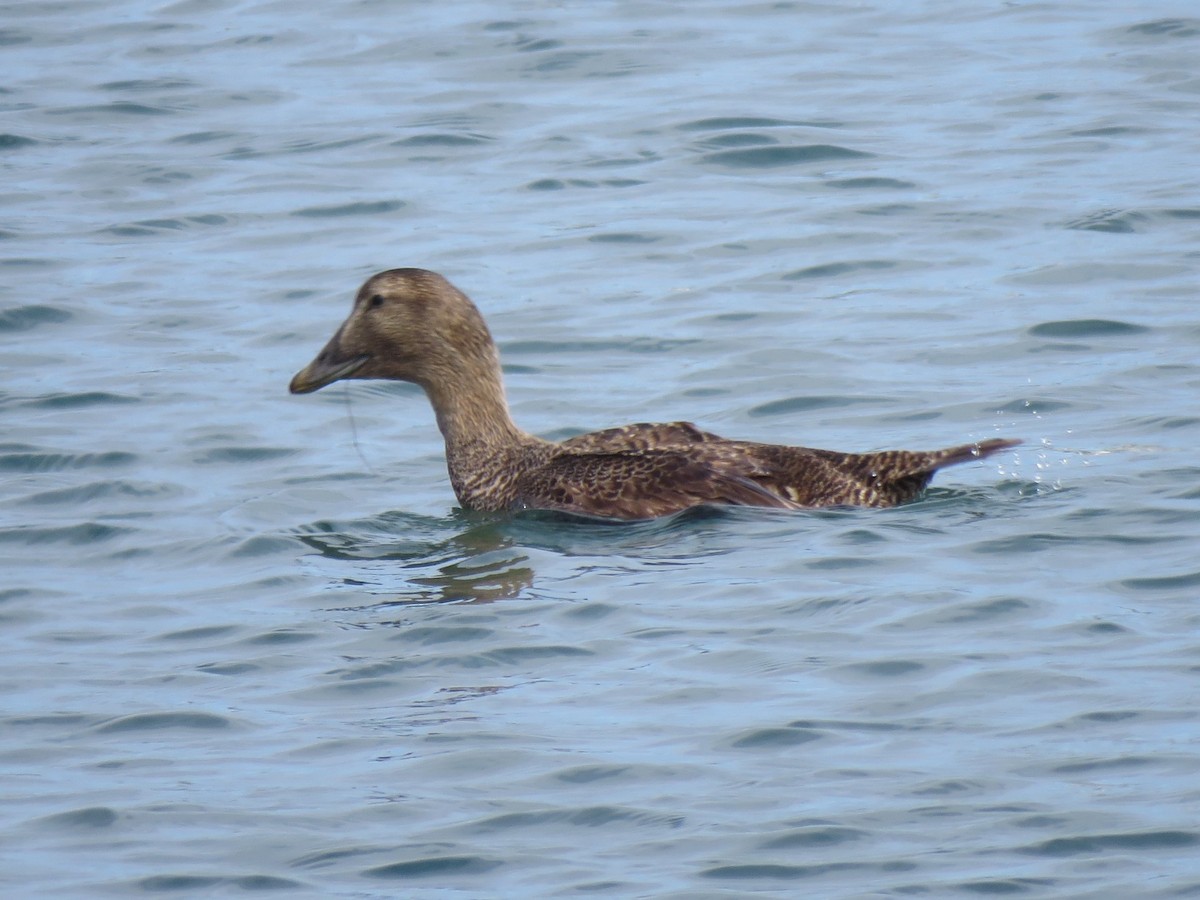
[[249, 645]]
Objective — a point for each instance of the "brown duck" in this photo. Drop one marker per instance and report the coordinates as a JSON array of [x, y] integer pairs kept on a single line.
[[413, 325]]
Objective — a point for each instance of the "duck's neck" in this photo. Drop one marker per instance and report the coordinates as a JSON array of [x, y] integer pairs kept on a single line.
[[481, 437], [471, 407]]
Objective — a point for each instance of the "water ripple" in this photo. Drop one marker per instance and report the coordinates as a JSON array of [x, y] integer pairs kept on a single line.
[[24, 318], [777, 156]]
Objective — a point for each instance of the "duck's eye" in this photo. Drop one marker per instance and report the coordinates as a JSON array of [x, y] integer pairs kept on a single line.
[[375, 302]]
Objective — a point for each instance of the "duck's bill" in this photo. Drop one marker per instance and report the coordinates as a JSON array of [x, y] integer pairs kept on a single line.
[[318, 373]]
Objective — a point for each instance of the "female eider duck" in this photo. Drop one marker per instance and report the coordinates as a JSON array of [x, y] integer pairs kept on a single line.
[[413, 325]]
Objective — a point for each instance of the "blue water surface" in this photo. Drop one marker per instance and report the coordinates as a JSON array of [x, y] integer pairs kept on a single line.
[[251, 645]]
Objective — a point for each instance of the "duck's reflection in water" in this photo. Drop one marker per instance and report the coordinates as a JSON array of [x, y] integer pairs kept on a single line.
[[478, 564]]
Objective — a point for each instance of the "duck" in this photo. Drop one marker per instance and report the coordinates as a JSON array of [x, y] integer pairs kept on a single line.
[[413, 325]]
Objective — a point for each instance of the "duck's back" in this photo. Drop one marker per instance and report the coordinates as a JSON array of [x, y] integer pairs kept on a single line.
[[648, 469]]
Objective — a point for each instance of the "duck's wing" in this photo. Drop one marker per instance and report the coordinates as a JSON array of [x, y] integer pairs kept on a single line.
[[644, 484], [885, 478], [640, 436]]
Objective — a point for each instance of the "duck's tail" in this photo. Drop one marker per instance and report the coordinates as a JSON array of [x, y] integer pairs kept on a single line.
[[952, 456]]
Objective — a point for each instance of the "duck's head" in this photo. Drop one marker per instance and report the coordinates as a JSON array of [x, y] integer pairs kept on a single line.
[[406, 325]]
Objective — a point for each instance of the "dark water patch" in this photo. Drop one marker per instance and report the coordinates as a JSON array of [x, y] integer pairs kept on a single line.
[[590, 612], [546, 184], [230, 669], [807, 404], [159, 175], [28, 262], [1173, 28], [139, 85], [351, 209], [563, 61], [1106, 629], [623, 237], [1109, 221], [10, 37], [16, 141], [87, 817], [536, 45], [885, 668], [871, 184], [203, 137], [261, 546], [300, 146], [116, 108], [1166, 422], [587, 817], [976, 612], [508, 656], [815, 836], [433, 866], [1005, 886], [508, 24], [741, 139], [1108, 716], [589, 774], [770, 738], [281, 637], [758, 871], [1037, 542], [1164, 582], [723, 123], [429, 635], [854, 725], [840, 563], [83, 534], [191, 885], [164, 721], [149, 227], [83, 400], [1032, 407], [637, 345], [1188, 214], [619, 161], [378, 670], [948, 788], [775, 157], [1085, 328], [57, 721], [205, 633], [517, 369], [831, 270], [1109, 131], [656, 634], [360, 687], [24, 318], [888, 209], [558, 184], [443, 140], [1103, 843], [241, 455], [173, 884], [1103, 765], [265, 883]]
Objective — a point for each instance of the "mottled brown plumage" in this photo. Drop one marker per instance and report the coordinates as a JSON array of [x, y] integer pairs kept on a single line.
[[413, 325]]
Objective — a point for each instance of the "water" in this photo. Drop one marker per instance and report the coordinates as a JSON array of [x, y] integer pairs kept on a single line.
[[249, 643]]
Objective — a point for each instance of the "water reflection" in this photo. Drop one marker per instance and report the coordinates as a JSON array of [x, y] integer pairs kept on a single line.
[[436, 562]]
